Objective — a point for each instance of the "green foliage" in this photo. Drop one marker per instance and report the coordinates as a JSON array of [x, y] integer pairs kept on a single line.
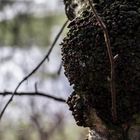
[[24, 130], [27, 30]]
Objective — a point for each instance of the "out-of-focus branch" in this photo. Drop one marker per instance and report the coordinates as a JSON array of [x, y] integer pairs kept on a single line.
[[35, 69], [41, 94], [60, 68], [36, 118]]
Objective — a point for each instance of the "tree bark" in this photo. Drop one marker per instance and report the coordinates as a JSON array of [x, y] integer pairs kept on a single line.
[[82, 103], [132, 134]]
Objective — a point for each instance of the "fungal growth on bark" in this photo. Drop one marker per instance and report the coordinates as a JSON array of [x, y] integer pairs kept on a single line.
[[87, 66]]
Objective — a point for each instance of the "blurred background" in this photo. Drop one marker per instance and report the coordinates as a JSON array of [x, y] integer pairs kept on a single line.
[[27, 30]]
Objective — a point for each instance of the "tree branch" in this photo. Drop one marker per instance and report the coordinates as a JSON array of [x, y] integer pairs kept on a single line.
[[41, 94], [112, 62], [60, 68], [35, 69]]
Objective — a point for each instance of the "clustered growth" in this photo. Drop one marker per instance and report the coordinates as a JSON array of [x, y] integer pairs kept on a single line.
[[87, 65]]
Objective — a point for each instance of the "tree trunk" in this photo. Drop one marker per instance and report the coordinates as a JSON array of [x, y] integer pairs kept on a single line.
[[109, 116], [132, 134]]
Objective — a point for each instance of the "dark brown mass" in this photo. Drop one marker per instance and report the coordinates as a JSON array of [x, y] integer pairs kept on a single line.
[[87, 65]]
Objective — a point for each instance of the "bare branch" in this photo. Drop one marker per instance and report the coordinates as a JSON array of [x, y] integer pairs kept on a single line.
[[35, 69], [60, 68], [41, 94], [112, 63], [36, 90]]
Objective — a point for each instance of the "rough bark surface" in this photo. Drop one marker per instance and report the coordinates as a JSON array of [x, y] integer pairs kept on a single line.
[[87, 67], [132, 134]]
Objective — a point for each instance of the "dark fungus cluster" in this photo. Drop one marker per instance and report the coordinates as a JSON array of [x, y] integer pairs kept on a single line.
[[87, 66]]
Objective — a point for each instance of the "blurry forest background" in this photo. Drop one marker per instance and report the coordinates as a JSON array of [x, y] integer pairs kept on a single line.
[[27, 29]]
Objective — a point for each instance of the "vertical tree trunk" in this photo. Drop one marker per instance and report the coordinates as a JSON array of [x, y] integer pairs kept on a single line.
[[132, 134], [87, 67]]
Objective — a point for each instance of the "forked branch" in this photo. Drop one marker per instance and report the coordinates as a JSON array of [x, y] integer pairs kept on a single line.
[[35, 69]]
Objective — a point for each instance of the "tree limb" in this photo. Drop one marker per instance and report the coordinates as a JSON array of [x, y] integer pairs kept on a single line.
[[41, 94], [35, 69]]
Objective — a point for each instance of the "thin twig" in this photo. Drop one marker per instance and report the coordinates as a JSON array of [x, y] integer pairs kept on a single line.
[[60, 68], [112, 63], [33, 94], [35, 69], [36, 90]]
